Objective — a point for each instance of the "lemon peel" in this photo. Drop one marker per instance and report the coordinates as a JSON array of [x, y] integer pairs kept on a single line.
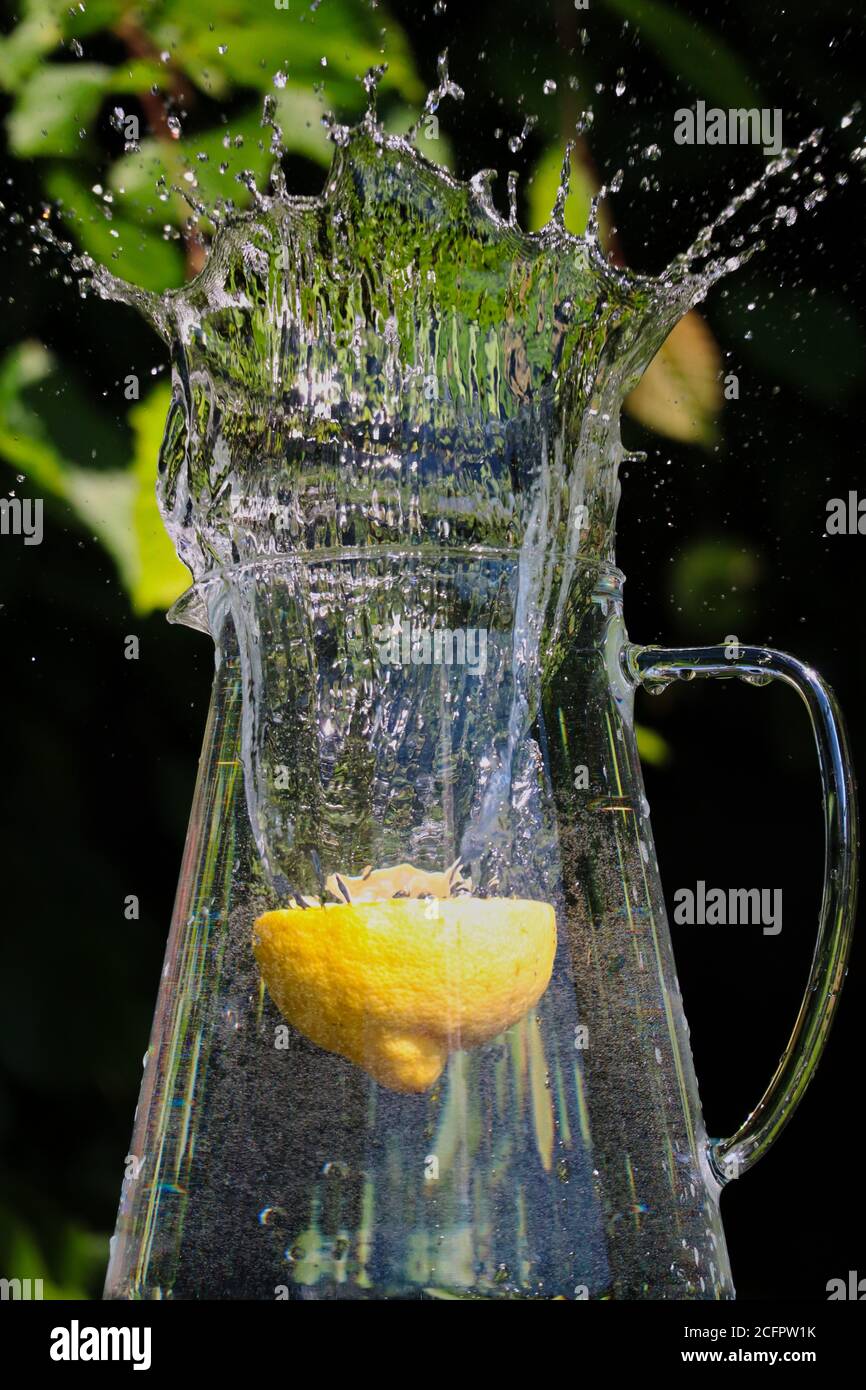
[[397, 984], [400, 880]]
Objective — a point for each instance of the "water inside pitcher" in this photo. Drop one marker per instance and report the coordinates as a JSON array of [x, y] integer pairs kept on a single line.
[[419, 1032], [470, 1078]]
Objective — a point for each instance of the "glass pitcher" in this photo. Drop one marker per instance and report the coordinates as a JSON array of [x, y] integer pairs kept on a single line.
[[419, 1033]]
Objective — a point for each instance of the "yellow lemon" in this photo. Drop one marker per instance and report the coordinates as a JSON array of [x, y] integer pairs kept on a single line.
[[396, 985]]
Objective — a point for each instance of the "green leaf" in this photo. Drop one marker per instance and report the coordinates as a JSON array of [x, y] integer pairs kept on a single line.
[[117, 505], [22, 1257], [160, 577], [63, 99], [57, 102], [651, 747], [103, 504], [102, 500], [139, 255], [73, 1272], [82, 1257], [691, 52], [89, 16], [712, 581], [133, 178], [262, 41], [24, 440], [37, 34], [680, 393], [299, 115]]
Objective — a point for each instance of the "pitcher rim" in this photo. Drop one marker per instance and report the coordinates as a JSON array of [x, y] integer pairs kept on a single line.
[[188, 610]]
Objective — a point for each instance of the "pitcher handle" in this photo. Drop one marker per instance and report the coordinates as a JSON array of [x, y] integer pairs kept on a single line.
[[654, 668]]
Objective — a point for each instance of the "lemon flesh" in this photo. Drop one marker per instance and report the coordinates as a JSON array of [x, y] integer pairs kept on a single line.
[[396, 985]]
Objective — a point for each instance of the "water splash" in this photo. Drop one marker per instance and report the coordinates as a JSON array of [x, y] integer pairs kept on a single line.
[[531, 334], [444, 88], [394, 368]]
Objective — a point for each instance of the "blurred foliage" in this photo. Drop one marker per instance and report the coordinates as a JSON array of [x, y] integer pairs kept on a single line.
[[194, 78], [710, 581], [115, 504], [652, 747], [195, 90], [691, 52], [680, 393], [788, 332], [75, 1266], [198, 84], [118, 197], [194, 94]]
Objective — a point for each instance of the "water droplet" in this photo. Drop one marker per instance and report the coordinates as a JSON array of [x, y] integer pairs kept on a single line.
[[516, 143], [372, 78], [549, 87]]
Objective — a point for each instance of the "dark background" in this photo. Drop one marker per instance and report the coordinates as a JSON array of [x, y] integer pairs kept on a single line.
[[99, 753]]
